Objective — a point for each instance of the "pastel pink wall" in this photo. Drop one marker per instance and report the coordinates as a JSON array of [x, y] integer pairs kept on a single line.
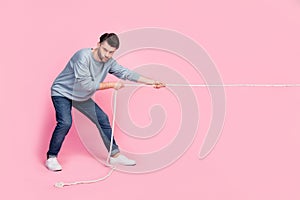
[[253, 41]]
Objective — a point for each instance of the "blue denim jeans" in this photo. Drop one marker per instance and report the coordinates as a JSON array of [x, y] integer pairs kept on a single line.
[[90, 109]]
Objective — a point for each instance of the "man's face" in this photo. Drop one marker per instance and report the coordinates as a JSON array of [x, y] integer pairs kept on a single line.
[[105, 51]]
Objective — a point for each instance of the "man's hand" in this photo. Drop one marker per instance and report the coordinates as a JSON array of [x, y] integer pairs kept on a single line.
[[118, 85], [158, 84], [149, 81]]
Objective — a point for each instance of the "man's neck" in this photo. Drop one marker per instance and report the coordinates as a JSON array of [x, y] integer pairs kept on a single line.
[[95, 54]]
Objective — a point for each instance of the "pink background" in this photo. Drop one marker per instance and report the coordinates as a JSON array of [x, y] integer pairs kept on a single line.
[[253, 41]]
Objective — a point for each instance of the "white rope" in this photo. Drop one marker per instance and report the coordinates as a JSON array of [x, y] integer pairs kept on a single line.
[[62, 184], [220, 85], [112, 127]]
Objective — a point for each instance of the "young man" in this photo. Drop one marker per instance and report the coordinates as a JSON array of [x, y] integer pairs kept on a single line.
[[74, 87]]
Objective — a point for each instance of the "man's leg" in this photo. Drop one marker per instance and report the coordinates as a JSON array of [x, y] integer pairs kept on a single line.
[[63, 108], [90, 109]]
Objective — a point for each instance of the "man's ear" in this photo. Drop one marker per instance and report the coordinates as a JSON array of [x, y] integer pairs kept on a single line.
[[98, 44]]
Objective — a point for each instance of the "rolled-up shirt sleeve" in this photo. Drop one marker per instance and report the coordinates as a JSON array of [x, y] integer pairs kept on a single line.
[[123, 73]]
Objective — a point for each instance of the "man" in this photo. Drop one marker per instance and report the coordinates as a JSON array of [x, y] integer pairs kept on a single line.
[[75, 85]]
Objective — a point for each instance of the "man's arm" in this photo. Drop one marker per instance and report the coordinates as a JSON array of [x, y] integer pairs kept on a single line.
[[119, 85], [108, 85], [148, 81], [124, 73]]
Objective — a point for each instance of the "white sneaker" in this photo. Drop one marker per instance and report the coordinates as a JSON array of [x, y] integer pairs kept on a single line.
[[122, 160], [53, 165]]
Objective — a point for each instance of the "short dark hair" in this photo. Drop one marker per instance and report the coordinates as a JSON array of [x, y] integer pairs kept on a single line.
[[111, 38]]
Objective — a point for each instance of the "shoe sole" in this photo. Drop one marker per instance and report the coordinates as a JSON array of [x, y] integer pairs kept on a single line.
[[58, 170]]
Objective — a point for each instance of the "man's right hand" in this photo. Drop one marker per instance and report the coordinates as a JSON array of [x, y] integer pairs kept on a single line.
[[118, 85]]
